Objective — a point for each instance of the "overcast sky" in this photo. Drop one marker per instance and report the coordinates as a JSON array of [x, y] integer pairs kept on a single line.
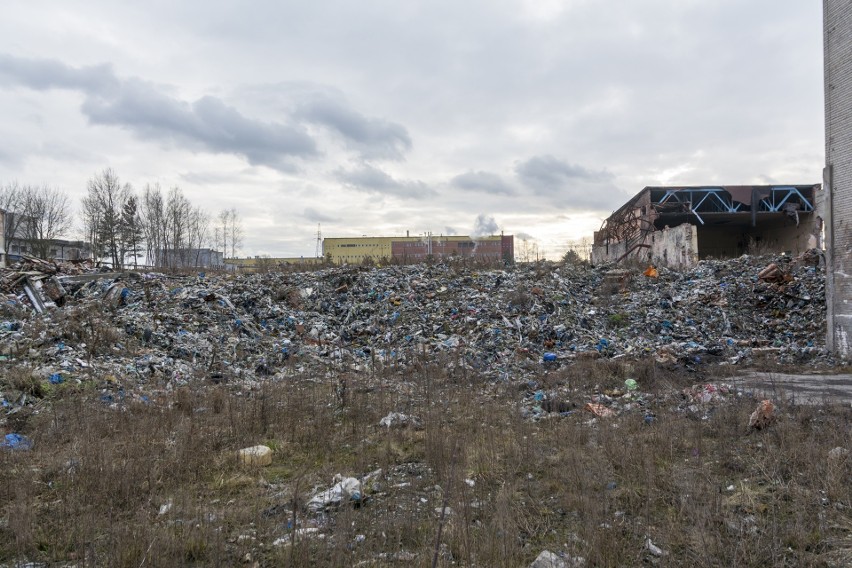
[[534, 117]]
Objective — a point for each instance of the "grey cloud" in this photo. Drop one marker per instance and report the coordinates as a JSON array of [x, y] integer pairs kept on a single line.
[[208, 123], [372, 138], [569, 184], [524, 236], [312, 214], [43, 74], [142, 108], [484, 226], [483, 181], [549, 173], [372, 179], [451, 231]]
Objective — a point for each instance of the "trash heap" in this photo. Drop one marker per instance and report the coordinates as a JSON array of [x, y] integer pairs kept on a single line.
[[76, 322]]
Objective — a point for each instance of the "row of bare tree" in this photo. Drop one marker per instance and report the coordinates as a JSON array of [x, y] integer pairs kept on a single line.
[[160, 228], [35, 216]]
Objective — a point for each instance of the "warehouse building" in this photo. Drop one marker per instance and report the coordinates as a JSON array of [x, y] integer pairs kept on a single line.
[[356, 250], [677, 226]]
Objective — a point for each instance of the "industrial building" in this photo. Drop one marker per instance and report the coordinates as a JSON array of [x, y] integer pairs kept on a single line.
[[355, 250], [677, 226]]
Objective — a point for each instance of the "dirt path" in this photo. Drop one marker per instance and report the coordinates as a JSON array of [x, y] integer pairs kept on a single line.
[[805, 389]]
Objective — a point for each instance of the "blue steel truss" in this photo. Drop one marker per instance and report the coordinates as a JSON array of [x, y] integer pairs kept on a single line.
[[718, 200]]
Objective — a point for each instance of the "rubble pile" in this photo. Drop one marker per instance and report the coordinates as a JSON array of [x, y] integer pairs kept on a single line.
[[500, 322]]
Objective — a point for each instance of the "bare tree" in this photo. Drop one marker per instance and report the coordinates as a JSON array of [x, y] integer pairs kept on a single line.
[[199, 232], [153, 224], [174, 230], [91, 215], [11, 200], [45, 217], [229, 232], [236, 233], [102, 211], [178, 210]]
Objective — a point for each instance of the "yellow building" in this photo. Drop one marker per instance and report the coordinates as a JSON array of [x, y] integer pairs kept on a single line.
[[355, 250]]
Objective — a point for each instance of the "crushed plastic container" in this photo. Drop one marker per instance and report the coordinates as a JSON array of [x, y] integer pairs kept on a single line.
[[16, 442]]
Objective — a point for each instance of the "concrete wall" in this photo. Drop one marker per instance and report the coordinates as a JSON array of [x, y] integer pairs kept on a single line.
[[837, 177], [777, 236], [676, 247], [2, 238], [603, 254], [792, 239]]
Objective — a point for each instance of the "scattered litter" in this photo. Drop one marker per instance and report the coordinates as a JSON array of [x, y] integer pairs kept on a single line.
[[399, 419], [762, 416], [306, 532], [599, 410], [838, 453], [773, 273], [256, 455], [345, 489], [16, 442], [653, 548], [547, 559]]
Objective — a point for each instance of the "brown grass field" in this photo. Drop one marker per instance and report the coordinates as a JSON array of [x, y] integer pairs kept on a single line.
[[158, 483]]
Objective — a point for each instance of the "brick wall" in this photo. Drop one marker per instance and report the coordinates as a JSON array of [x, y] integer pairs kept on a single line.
[[837, 36]]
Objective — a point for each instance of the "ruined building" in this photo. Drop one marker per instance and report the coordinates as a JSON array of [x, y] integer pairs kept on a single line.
[[837, 176], [677, 226]]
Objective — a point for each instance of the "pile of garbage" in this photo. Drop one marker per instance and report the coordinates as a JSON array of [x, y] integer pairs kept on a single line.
[[77, 322]]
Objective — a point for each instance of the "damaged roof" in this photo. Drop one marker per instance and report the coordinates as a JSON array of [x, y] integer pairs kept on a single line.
[[694, 202]]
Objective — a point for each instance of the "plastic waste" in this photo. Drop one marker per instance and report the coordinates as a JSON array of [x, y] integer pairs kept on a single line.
[[599, 410], [762, 416], [346, 489], [548, 559], [15, 441], [399, 419]]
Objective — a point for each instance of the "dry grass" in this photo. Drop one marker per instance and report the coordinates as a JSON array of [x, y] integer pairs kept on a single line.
[[91, 490]]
